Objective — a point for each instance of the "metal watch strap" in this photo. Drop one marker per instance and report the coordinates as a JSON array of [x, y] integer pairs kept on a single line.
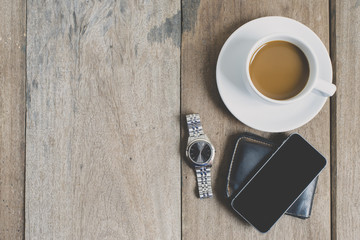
[[194, 125], [203, 176]]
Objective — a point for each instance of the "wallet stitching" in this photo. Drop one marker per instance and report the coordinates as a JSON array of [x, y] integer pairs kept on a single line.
[[232, 159], [297, 215]]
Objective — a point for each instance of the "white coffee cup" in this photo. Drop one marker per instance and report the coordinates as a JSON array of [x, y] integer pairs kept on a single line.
[[314, 84]]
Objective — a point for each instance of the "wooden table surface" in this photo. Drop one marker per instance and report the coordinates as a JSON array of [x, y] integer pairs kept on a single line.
[[93, 96]]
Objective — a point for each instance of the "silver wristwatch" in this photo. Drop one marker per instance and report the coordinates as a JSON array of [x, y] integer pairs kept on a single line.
[[201, 153]]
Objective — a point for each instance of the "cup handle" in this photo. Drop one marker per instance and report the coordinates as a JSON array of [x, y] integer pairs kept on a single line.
[[325, 88]]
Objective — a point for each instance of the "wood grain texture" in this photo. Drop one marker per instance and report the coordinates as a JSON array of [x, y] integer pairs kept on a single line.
[[12, 118], [206, 26], [346, 119], [103, 100]]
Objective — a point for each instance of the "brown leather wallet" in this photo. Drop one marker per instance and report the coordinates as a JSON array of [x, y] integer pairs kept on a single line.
[[251, 152]]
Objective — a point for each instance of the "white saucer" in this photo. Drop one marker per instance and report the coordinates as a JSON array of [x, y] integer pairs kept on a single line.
[[250, 109]]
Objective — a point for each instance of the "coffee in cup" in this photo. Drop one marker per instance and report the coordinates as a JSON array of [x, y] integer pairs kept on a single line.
[[279, 70], [283, 69]]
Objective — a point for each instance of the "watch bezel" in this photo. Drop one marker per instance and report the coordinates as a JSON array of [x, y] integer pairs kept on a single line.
[[208, 162]]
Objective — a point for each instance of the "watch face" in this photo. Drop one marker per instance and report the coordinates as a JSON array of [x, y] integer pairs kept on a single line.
[[200, 152]]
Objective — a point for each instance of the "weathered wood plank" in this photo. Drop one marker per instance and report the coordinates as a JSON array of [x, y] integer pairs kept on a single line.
[[12, 118], [345, 43], [103, 127], [206, 26]]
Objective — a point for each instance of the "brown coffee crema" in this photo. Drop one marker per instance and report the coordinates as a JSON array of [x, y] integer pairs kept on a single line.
[[279, 70]]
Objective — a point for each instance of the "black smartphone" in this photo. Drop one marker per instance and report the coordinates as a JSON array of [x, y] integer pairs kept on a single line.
[[277, 185]]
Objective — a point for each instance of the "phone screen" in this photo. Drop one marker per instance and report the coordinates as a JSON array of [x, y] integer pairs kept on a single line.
[[282, 179]]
